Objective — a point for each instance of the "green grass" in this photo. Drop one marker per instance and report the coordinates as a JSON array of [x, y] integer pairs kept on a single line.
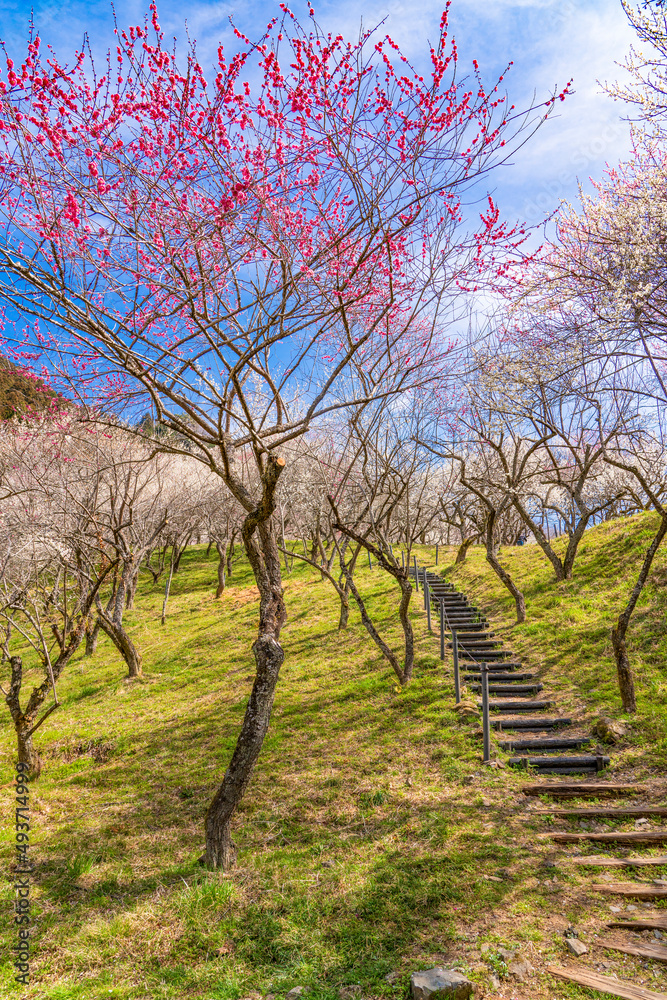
[[371, 841]]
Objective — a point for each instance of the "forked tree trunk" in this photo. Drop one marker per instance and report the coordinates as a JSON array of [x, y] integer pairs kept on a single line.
[[463, 550], [264, 556], [502, 574], [544, 543], [123, 644], [111, 622], [367, 622], [619, 631]]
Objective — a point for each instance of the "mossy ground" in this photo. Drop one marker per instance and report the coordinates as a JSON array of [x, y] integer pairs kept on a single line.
[[371, 842]]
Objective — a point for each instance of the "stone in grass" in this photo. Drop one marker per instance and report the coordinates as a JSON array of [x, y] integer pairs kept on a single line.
[[576, 947], [520, 968], [437, 983], [294, 993], [609, 731], [467, 710]]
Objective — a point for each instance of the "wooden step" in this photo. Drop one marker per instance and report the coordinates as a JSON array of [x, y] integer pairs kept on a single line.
[[532, 725], [567, 790], [601, 811], [647, 923], [481, 655], [656, 952], [602, 861], [510, 689], [545, 744], [498, 675], [651, 837], [590, 763], [634, 890], [517, 706], [604, 984]]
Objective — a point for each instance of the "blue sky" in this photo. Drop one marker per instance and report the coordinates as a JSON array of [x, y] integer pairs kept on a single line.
[[549, 41]]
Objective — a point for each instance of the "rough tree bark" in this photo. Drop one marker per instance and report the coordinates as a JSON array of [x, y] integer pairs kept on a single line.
[[262, 550], [502, 574], [92, 634], [111, 621], [463, 549], [390, 565], [619, 631], [222, 557]]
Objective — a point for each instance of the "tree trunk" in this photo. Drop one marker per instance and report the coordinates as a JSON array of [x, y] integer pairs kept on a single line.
[[367, 622], [27, 753], [619, 631], [92, 633], [167, 588], [408, 662], [264, 557], [344, 608], [123, 644], [502, 574], [543, 542], [572, 546], [463, 550], [222, 554]]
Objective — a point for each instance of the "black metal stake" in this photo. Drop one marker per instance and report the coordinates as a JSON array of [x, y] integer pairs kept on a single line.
[[457, 681], [436, 553], [370, 564], [425, 587], [427, 591], [442, 628], [486, 728], [416, 574]]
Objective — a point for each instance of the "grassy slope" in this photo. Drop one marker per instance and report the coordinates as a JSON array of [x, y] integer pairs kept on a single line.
[[371, 841]]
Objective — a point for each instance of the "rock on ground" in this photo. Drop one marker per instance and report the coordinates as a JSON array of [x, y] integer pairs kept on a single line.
[[437, 983]]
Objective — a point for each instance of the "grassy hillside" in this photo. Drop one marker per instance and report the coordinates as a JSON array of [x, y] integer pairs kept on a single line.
[[568, 627], [371, 843]]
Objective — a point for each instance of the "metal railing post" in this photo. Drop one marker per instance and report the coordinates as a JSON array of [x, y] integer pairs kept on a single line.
[[416, 574], [427, 591], [486, 727], [457, 681], [370, 564], [436, 553], [442, 628]]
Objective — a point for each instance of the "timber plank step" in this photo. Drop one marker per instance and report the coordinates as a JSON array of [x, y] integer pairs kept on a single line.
[[656, 923], [654, 951], [601, 811], [605, 984], [511, 689], [634, 890], [537, 725], [545, 744], [569, 770], [480, 655], [602, 861], [649, 837], [583, 788], [517, 706], [498, 675], [597, 762]]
